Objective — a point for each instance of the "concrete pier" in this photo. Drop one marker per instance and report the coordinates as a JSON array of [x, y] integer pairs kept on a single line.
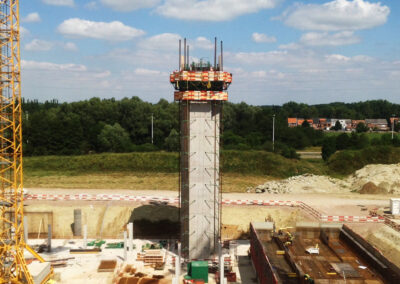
[[200, 178]]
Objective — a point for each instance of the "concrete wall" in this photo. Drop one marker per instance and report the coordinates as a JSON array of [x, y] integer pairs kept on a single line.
[[200, 178], [388, 270]]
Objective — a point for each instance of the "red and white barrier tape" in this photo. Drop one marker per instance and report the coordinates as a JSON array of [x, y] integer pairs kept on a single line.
[[172, 200]]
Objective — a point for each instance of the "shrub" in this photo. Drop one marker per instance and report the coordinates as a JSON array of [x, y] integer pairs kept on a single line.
[[348, 161]]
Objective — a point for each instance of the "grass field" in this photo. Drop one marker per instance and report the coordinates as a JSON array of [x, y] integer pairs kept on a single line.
[[157, 170], [138, 181], [371, 135]]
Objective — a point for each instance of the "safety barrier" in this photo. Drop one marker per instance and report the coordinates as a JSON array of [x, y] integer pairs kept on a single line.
[[171, 200]]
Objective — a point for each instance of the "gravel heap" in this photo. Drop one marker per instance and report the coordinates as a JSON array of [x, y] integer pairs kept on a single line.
[[307, 183]]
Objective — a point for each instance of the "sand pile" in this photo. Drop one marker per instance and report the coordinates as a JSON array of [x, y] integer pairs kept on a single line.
[[372, 179], [386, 177]]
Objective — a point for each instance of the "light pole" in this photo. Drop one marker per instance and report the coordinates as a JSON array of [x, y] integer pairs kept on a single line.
[[152, 134], [393, 126], [273, 133]]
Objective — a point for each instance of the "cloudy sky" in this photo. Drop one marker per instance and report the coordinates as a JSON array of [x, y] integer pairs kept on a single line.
[[277, 50]]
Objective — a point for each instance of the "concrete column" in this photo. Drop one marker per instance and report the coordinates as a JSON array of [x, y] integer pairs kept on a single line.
[[77, 222], [84, 236], [176, 267], [49, 237], [179, 260], [26, 228], [125, 247], [200, 178], [130, 230]]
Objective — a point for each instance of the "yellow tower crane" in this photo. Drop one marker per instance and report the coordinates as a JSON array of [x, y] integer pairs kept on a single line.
[[13, 268]]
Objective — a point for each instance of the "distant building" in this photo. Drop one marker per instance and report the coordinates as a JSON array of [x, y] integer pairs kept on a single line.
[[394, 119], [354, 123], [345, 123], [292, 122], [379, 124]]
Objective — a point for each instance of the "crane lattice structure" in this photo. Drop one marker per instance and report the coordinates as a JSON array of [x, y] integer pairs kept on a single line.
[[13, 268]]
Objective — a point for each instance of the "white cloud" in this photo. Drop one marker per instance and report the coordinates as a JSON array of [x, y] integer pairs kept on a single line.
[[39, 45], [111, 31], [101, 75], [258, 37], [212, 10], [70, 46], [203, 43], [336, 58], [262, 74], [290, 46], [69, 3], [91, 5], [129, 5], [23, 31], [146, 72], [336, 15], [49, 66], [32, 18], [328, 39], [165, 41]]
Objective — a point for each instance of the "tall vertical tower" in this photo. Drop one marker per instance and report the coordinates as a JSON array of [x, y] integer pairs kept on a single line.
[[12, 263], [200, 89]]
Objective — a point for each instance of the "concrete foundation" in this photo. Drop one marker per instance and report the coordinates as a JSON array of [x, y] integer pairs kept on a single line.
[[200, 178]]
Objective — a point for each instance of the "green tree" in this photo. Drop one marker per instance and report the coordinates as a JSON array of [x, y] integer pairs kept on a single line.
[[172, 141], [386, 139], [290, 153], [338, 126], [328, 147], [363, 141], [397, 127], [305, 123], [114, 138], [342, 141], [361, 127]]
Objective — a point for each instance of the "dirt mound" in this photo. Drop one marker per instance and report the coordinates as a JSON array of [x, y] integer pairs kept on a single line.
[[372, 179], [384, 176], [371, 188]]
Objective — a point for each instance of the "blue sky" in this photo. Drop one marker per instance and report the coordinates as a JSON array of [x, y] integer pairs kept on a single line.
[[278, 51]]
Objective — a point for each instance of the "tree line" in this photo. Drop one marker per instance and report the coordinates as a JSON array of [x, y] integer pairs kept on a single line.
[[109, 125]]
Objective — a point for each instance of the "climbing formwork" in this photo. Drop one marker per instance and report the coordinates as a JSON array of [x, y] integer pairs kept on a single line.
[[200, 89]]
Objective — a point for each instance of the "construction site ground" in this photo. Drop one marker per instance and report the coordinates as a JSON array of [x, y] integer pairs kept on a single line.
[[106, 219], [83, 268]]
